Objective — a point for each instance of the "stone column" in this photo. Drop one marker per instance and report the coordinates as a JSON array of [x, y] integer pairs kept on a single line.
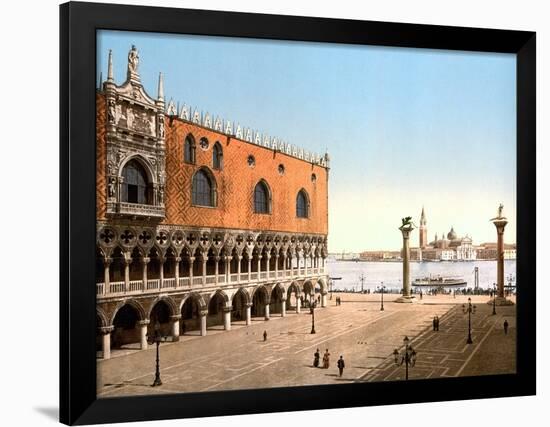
[[143, 333], [217, 259], [127, 262], [324, 299], [406, 297], [259, 265], [203, 314], [162, 260], [267, 310], [283, 307], [175, 319], [267, 258], [227, 318], [239, 258], [191, 263], [249, 267], [500, 223], [277, 264], [292, 264], [204, 260], [248, 314], [106, 341], [228, 268], [298, 303], [106, 263], [177, 270], [144, 262]]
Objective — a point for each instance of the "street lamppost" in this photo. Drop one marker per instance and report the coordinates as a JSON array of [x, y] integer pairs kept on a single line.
[[494, 299], [312, 304], [382, 289], [157, 339], [408, 357], [470, 309]]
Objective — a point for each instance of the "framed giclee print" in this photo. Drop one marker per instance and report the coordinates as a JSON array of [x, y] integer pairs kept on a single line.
[[268, 213]]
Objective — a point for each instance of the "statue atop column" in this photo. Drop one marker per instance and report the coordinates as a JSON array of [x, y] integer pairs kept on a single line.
[[133, 62], [500, 208]]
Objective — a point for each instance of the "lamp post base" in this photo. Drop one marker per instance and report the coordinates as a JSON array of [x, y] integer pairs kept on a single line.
[[500, 301], [406, 299]]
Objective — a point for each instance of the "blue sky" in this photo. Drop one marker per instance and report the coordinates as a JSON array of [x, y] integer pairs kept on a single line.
[[405, 128]]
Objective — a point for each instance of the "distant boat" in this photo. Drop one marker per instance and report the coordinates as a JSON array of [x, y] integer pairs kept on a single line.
[[440, 281]]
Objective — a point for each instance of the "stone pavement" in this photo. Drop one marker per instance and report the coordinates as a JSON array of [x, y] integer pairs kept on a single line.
[[364, 335]]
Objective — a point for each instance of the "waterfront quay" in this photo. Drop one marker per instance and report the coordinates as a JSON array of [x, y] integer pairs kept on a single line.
[[356, 329]]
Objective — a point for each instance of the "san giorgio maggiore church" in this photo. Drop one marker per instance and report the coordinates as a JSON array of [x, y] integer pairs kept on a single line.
[[448, 247], [201, 223]]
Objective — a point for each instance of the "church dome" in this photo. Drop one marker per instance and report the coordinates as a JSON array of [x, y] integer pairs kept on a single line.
[[452, 234]]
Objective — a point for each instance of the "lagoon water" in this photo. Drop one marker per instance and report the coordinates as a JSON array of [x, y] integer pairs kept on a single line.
[[391, 272]]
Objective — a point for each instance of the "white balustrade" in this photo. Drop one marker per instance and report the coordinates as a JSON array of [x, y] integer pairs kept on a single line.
[[184, 282], [153, 284], [99, 288], [169, 283], [234, 277], [253, 276], [135, 285], [116, 287], [210, 279]]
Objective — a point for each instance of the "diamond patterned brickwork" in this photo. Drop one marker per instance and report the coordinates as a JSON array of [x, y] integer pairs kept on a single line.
[[236, 184]]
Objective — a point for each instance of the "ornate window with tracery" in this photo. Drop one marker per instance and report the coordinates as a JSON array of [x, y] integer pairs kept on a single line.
[[217, 156], [204, 191], [135, 187], [261, 198], [302, 204], [189, 149]]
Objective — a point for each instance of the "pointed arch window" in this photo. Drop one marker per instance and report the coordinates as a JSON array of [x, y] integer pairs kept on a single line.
[[189, 148], [302, 204], [204, 189], [135, 187], [217, 156], [262, 198]]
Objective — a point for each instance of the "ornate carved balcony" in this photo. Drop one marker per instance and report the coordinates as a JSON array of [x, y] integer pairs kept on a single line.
[[135, 210]]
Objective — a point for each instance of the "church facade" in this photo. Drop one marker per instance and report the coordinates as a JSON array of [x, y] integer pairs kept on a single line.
[[200, 223], [449, 247]]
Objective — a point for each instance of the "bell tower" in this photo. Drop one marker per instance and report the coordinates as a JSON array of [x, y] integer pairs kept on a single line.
[[423, 231]]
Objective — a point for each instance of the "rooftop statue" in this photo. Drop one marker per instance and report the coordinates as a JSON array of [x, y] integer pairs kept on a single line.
[[133, 60]]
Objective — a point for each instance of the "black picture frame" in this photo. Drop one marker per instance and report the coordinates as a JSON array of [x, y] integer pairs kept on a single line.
[[78, 25]]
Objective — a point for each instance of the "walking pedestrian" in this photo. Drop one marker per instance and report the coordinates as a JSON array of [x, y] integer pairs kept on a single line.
[[433, 323], [505, 327], [420, 294], [437, 323], [316, 358], [265, 335], [341, 365], [326, 359]]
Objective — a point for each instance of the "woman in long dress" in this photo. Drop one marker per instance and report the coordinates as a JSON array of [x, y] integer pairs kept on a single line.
[[326, 359]]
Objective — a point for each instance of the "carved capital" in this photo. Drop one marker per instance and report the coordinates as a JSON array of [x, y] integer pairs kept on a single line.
[[203, 312], [106, 329], [175, 318], [227, 309], [144, 322], [145, 260]]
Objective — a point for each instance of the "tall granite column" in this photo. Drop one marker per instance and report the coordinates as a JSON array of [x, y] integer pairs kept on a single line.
[[406, 230], [500, 223]]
